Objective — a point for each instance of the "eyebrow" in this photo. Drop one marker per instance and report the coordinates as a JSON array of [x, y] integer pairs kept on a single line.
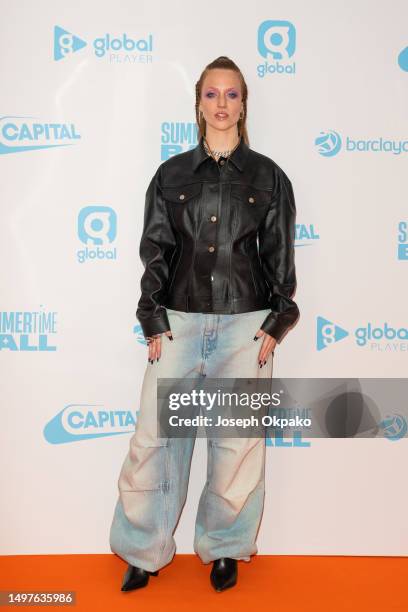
[[216, 88]]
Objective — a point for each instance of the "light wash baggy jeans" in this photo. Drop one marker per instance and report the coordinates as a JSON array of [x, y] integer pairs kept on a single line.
[[154, 476]]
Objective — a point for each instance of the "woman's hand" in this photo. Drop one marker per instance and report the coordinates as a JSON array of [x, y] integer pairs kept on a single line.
[[154, 345], [268, 346]]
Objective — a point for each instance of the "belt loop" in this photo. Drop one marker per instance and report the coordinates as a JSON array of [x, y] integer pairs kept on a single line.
[[188, 303]]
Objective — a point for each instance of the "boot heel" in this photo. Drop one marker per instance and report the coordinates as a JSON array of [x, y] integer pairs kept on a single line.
[[156, 573]]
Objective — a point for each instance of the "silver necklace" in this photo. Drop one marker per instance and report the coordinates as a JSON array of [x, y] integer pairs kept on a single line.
[[226, 153]]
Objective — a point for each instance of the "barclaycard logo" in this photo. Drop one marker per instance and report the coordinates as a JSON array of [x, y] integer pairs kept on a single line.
[[277, 45], [124, 46], [97, 229], [403, 59], [394, 427], [137, 330], [19, 134], [77, 422], [329, 143], [177, 137]]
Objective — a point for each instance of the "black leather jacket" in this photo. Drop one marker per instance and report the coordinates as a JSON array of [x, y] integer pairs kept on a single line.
[[218, 237]]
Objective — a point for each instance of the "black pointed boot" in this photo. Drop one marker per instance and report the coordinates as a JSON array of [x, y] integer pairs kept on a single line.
[[136, 578], [224, 573]]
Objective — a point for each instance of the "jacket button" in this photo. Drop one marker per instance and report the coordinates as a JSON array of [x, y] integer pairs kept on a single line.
[[222, 162], [213, 218], [251, 199], [182, 196], [211, 249]]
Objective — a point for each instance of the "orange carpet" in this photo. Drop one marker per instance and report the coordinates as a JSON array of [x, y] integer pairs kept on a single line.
[[275, 583]]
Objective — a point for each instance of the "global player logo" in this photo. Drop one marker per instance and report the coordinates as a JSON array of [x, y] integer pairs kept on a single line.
[[121, 48], [97, 227], [66, 43], [328, 333], [276, 41]]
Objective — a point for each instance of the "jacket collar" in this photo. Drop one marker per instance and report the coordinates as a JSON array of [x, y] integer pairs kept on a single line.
[[238, 157]]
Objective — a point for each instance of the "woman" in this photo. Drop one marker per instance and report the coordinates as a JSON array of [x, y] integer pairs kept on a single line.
[[218, 251]]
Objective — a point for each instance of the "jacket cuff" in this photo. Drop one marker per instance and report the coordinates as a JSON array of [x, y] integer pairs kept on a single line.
[[277, 324], [154, 325]]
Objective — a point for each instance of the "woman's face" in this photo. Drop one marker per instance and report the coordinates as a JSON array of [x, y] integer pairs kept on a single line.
[[221, 98]]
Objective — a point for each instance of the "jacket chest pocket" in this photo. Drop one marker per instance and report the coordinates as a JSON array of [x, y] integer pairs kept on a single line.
[[183, 194], [182, 203], [251, 204]]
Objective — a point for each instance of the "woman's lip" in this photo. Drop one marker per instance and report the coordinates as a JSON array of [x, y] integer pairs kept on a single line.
[[221, 115]]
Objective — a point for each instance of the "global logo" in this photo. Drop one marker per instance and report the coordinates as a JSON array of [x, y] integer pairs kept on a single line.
[[19, 134], [305, 235], [177, 137], [328, 143], [97, 228], [394, 427], [76, 422], [403, 59], [381, 337], [122, 48], [276, 42]]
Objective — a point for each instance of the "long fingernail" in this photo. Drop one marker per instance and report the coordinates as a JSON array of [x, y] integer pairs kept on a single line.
[[260, 364], [256, 337], [158, 359], [264, 362], [170, 337]]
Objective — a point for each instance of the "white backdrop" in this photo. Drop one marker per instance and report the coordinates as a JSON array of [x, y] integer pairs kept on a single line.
[[67, 413]]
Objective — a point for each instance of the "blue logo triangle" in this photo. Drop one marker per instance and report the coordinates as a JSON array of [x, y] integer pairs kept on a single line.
[[66, 43], [328, 332]]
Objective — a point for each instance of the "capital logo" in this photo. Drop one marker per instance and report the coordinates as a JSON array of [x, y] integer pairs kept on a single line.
[[328, 143], [328, 333], [19, 134], [66, 43], [77, 422], [305, 235], [276, 39], [394, 426], [403, 59]]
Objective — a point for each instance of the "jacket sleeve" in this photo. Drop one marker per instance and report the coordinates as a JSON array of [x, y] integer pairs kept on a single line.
[[277, 255], [156, 248]]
